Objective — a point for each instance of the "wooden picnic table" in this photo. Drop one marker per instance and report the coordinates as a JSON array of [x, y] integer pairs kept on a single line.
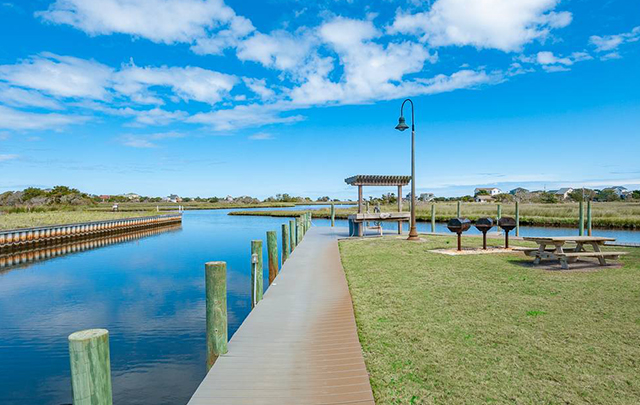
[[558, 250]]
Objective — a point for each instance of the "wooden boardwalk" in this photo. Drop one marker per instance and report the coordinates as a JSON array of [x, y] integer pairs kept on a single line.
[[300, 344]]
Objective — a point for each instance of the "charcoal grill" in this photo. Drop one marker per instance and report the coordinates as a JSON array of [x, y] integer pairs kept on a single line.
[[508, 224], [459, 225], [484, 225]]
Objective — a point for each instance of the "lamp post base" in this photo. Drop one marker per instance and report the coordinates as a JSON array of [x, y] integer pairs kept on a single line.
[[413, 234]]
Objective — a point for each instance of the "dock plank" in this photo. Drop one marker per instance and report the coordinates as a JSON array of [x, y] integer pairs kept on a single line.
[[300, 344]]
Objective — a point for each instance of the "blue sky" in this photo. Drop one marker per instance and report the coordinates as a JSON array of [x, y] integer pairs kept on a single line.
[[206, 97]]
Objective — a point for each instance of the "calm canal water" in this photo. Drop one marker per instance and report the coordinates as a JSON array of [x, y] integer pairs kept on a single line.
[[149, 293]]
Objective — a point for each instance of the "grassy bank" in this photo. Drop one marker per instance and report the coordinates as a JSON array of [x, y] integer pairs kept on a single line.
[[163, 206], [28, 220], [605, 215], [438, 329]]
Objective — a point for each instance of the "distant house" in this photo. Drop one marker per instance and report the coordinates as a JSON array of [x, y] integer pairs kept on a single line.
[[173, 198], [483, 198], [426, 197], [519, 190], [131, 196], [105, 197], [490, 190], [563, 193], [228, 198], [619, 191], [421, 197]]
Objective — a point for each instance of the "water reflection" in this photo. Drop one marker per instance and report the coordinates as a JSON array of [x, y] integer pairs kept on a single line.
[[15, 258], [149, 293]]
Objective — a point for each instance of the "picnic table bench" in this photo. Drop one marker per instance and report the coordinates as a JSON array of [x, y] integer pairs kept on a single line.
[[553, 248]]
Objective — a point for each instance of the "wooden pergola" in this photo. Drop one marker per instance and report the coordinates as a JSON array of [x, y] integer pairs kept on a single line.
[[378, 181]]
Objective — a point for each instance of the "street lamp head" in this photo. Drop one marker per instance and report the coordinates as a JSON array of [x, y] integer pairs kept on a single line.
[[402, 125]]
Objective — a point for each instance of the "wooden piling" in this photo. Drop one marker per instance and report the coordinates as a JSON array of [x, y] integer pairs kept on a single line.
[[272, 252], [459, 213], [216, 305], [499, 214], [257, 277], [581, 218], [292, 235], [90, 367], [333, 215], [517, 218], [589, 224], [285, 243], [433, 218]]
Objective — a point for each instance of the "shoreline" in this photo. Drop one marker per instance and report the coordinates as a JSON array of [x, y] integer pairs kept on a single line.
[[526, 221]]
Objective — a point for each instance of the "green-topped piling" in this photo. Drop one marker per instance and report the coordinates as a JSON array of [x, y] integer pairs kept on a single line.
[[286, 249], [581, 218], [216, 305], [517, 218], [90, 367], [589, 222], [333, 215], [433, 218], [272, 251]]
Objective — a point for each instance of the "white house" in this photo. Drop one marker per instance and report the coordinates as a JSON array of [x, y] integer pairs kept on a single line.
[[131, 196], [173, 198], [619, 190], [563, 192], [491, 190], [483, 198], [426, 197]]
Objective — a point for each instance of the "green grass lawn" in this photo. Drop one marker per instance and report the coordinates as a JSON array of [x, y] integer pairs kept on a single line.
[[438, 329]]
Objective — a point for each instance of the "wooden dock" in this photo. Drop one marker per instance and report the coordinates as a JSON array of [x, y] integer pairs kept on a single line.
[[300, 344]]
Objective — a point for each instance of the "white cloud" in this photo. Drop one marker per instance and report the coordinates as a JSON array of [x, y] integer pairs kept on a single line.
[[157, 117], [187, 83], [244, 116], [552, 63], [21, 120], [261, 136], [6, 157], [17, 97], [140, 143], [163, 21], [609, 44], [259, 87], [548, 58], [371, 71], [149, 140], [239, 28], [279, 49], [61, 76], [501, 24]]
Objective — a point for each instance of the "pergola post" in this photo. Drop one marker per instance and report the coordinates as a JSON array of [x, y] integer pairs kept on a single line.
[[360, 199], [399, 209]]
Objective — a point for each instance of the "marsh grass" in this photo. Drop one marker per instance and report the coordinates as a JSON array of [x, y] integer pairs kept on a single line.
[[32, 219], [605, 215], [439, 329]]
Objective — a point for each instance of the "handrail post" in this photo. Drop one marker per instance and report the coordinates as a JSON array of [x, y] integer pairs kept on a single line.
[[256, 273]]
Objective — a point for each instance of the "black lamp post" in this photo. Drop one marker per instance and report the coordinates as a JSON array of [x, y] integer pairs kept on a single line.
[[402, 125]]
